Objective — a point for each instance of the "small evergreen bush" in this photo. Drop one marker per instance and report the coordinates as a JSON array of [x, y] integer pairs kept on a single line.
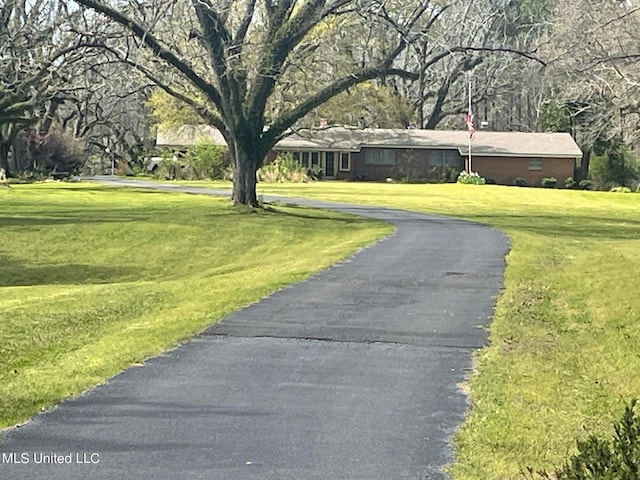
[[569, 182], [585, 184], [598, 458], [520, 182], [549, 182]]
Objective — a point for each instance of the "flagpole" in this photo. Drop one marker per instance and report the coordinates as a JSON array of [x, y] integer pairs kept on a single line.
[[470, 169]]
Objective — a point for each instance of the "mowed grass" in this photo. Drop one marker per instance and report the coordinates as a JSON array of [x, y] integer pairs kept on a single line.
[[94, 279], [564, 353]]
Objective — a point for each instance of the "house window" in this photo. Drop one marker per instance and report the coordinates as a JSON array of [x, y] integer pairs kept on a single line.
[[304, 160], [379, 156], [315, 159], [345, 161], [535, 164], [445, 158]]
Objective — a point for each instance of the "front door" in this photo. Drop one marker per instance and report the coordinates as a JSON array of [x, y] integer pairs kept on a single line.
[[330, 165]]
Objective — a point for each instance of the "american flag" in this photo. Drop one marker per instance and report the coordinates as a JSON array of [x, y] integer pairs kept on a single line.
[[469, 121]]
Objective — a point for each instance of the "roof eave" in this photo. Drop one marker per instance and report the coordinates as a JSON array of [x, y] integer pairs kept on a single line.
[[519, 154]]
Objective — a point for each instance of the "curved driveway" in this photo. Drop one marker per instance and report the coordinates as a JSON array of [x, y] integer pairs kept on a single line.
[[351, 374]]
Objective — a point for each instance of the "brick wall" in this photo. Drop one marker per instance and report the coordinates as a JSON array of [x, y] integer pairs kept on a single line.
[[413, 163], [504, 170]]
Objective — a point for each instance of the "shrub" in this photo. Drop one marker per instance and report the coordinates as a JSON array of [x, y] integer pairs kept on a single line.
[[168, 168], [569, 182], [612, 164], [452, 175], [621, 190], [26, 176], [204, 161], [585, 184], [471, 178], [227, 173], [549, 182], [315, 173], [284, 168], [520, 182], [56, 151], [597, 458], [442, 174], [136, 170]]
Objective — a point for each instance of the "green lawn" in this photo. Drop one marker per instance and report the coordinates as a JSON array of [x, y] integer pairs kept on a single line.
[[95, 279], [565, 341]]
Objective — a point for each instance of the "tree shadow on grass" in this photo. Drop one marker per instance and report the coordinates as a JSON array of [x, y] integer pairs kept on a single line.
[[33, 220], [96, 216], [316, 215], [15, 273], [154, 214]]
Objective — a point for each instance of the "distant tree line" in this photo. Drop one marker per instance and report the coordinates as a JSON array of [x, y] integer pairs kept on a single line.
[[87, 79]]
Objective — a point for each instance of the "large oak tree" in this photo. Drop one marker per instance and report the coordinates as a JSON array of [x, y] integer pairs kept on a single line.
[[228, 58]]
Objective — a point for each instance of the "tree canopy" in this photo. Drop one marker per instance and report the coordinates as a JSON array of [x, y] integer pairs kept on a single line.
[[234, 55]]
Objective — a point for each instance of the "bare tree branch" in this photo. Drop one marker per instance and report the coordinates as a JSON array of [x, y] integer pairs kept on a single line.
[[208, 89]]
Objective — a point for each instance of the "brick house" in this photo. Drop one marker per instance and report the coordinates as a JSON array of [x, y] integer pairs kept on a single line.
[[350, 153]]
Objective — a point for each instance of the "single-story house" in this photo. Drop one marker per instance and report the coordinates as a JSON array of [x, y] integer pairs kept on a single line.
[[352, 153]]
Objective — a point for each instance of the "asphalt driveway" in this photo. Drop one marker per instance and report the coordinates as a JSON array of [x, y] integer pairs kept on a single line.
[[352, 374]]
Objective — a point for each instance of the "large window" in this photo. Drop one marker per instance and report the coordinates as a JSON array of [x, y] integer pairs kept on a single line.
[[307, 159], [535, 164], [379, 156], [445, 158], [332, 160]]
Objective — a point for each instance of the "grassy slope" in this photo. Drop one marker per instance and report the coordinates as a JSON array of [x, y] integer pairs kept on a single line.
[[565, 340], [94, 279]]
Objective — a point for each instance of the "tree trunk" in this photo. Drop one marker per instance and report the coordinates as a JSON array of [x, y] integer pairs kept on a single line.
[[421, 85], [247, 154], [245, 167], [4, 157], [583, 171]]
